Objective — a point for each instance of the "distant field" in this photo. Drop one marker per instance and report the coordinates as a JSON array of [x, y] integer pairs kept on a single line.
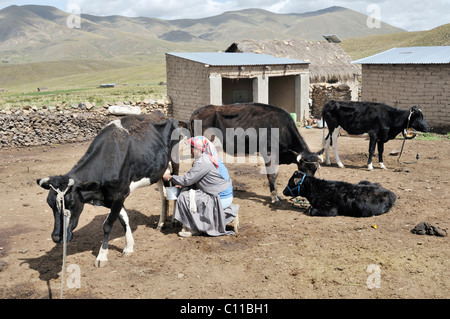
[[99, 96], [143, 79], [82, 73]]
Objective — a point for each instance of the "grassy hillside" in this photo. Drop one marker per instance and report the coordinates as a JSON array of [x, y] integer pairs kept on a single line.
[[362, 47], [77, 81], [41, 74], [330, 22]]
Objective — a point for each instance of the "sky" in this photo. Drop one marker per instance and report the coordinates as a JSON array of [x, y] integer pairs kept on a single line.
[[411, 15]]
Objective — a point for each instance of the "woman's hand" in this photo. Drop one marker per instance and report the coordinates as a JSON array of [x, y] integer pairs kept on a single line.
[[167, 177]]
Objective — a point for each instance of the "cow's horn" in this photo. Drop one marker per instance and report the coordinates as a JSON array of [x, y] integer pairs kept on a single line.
[[299, 157], [44, 180]]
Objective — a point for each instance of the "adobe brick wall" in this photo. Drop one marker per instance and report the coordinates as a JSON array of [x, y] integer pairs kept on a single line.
[[187, 86], [405, 85]]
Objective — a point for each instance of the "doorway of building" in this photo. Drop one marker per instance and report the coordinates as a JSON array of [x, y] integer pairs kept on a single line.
[[237, 90], [282, 92]]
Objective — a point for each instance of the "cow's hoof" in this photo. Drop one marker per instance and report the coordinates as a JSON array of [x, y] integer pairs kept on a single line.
[[276, 203], [101, 263], [341, 165], [236, 224], [127, 252], [160, 227]]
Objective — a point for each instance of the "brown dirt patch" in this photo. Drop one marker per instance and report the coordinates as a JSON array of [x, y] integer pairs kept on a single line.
[[279, 253]]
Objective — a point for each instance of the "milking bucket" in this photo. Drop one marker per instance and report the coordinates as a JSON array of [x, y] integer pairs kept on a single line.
[[172, 192]]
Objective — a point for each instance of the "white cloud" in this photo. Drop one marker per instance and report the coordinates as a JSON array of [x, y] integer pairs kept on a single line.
[[416, 15]]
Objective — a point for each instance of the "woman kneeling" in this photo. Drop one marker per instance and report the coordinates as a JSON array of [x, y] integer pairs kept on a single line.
[[206, 206]]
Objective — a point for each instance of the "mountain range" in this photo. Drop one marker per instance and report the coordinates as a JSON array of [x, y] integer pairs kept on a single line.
[[32, 33]]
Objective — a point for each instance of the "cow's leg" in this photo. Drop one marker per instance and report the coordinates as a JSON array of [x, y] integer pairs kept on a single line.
[[372, 144], [164, 205], [129, 240], [380, 154], [334, 137], [272, 173], [326, 212], [273, 188], [102, 257], [175, 171], [326, 146]]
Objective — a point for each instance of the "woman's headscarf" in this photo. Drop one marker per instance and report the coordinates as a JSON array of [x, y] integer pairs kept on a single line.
[[206, 146]]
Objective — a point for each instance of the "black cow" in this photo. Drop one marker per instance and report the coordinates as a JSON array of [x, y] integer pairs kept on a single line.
[[248, 128], [381, 121], [333, 198], [126, 154]]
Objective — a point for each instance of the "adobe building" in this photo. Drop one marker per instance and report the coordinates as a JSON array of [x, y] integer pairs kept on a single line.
[[198, 79], [403, 77]]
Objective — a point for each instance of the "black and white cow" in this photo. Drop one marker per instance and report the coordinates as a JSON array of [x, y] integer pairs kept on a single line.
[[128, 153], [248, 128], [333, 198], [382, 122]]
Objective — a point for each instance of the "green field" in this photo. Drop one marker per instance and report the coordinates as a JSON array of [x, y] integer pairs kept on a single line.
[[76, 81]]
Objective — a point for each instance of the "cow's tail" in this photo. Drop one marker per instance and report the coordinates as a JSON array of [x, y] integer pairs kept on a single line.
[[324, 124], [323, 133]]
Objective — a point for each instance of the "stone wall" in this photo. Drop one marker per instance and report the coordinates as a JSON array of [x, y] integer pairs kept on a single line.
[[23, 127], [405, 85], [320, 93], [44, 128]]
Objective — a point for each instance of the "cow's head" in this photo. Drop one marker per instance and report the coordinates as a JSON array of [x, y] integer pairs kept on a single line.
[[416, 120], [297, 186], [73, 202], [308, 162]]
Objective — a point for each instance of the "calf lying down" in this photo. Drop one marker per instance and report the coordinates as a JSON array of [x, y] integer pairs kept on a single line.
[[333, 198]]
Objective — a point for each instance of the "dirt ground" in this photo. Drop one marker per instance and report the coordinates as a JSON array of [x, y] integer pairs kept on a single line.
[[280, 252]]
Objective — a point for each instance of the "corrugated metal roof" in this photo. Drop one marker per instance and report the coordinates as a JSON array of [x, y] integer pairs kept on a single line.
[[235, 59], [410, 55]]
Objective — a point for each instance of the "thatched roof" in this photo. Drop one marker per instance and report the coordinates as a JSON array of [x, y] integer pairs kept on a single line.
[[328, 61]]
